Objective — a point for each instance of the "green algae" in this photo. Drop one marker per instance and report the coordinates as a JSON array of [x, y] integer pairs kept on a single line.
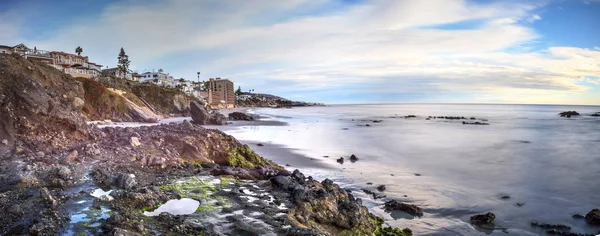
[[388, 231], [244, 157], [201, 190]]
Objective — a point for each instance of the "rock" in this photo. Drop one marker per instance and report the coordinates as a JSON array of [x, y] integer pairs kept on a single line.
[[417, 174], [260, 145], [5, 141], [122, 232], [394, 205], [217, 118], [284, 173], [369, 183], [40, 154], [483, 219], [596, 114], [353, 158], [298, 176], [341, 160], [47, 197], [199, 113], [568, 114], [71, 157], [187, 124], [281, 181], [135, 142], [78, 102], [240, 116], [505, 197], [368, 125], [63, 172], [381, 188], [125, 181], [578, 216], [28, 181], [550, 226], [593, 217]]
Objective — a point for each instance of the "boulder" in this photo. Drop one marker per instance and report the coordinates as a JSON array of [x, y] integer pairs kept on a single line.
[[381, 188], [394, 205], [135, 142], [341, 160], [240, 116], [199, 114], [281, 181], [483, 219], [593, 217], [216, 118], [353, 158], [125, 181], [71, 157], [63, 172], [47, 197], [187, 124]]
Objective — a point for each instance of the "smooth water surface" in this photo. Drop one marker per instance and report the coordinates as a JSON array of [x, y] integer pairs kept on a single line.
[[549, 164]]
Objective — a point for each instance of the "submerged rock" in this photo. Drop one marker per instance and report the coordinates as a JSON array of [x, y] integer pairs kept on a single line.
[[550, 226], [381, 188], [483, 219], [395, 205], [568, 114], [593, 217]]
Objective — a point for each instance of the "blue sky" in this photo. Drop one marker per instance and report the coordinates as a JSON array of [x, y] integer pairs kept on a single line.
[[339, 51]]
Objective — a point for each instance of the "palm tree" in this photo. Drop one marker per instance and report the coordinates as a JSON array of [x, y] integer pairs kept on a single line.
[[78, 50]]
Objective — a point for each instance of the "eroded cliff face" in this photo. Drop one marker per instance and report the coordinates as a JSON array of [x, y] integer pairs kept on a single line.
[[40, 107]]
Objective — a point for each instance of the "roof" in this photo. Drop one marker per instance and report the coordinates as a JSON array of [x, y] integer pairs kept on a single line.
[[4, 46]]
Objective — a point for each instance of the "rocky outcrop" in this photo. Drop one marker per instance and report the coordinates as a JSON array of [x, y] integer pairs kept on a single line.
[[395, 205], [568, 114], [483, 219], [593, 217], [38, 107], [240, 116], [201, 116]]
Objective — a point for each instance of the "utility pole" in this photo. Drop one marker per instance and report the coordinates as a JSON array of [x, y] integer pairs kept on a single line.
[[198, 77]]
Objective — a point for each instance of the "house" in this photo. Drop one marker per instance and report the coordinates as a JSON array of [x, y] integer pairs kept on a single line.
[[159, 78], [117, 73], [220, 93], [75, 65]]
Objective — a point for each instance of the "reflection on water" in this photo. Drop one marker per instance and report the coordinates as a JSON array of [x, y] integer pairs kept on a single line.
[[529, 153], [184, 206]]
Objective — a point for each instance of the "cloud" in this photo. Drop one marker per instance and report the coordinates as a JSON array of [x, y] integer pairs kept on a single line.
[[304, 45]]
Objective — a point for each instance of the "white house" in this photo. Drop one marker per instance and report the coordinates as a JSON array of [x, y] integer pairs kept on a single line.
[[159, 78]]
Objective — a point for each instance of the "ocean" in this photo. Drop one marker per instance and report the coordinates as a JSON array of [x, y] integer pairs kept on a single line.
[[528, 165]]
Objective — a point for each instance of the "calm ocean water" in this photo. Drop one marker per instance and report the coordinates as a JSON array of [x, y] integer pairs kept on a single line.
[[548, 163]]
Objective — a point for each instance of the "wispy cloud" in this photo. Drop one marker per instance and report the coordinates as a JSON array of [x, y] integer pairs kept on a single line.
[[304, 45]]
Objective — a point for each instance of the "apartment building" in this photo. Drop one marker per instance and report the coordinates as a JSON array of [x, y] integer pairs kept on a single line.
[[221, 93]]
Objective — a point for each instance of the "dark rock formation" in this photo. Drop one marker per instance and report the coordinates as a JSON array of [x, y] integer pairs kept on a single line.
[[353, 158], [240, 116], [395, 205], [201, 116], [341, 160], [474, 123], [596, 114], [381, 188], [568, 114], [483, 219], [550, 226], [593, 217]]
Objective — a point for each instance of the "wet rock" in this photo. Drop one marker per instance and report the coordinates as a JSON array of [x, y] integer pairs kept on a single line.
[[71, 156], [395, 205], [281, 181], [284, 173], [369, 183], [381, 188], [483, 219], [122, 232], [593, 217], [520, 204], [125, 181], [417, 174], [578, 216], [341, 160], [134, 142], [298, 176], [240, 116], [63, 172], [595, 114], [505, 197], [47, 197], [260, 145], [474, 123], [368, 125], [550, 226], [353, 158], [568, 114]]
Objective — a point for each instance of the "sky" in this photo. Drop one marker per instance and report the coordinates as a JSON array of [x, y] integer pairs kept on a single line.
[[338, 51]]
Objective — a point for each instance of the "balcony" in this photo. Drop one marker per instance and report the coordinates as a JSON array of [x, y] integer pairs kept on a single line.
[[37, 53]]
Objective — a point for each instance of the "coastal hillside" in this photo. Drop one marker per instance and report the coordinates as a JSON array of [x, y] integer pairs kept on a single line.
[[61, 176], [267, 100]]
